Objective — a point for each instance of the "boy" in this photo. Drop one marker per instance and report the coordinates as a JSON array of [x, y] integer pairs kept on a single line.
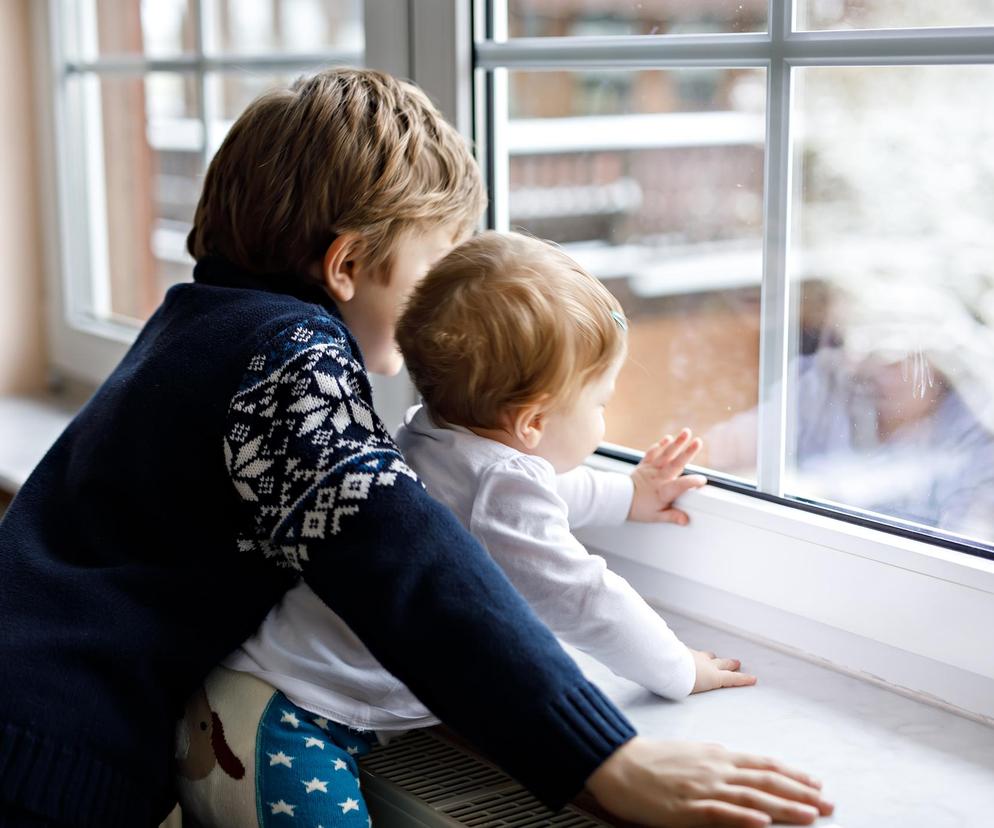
[[514, 349], [234, 451]]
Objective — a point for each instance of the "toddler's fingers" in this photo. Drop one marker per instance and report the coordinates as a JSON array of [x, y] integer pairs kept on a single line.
[[731, 678], [677, 516], [678, 444], [690, 452], [653, 454], [687, 482], [727, 663], [656, 455]]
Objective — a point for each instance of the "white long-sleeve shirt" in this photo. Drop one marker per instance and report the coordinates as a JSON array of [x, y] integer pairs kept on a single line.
[[522, 513]]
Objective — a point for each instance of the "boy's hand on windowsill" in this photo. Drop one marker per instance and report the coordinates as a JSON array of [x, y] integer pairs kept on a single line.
[[659, 479], [713, 673]]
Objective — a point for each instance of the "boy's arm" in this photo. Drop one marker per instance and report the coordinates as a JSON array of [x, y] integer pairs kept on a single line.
[[522, 522], [594, 497], [325, 492]]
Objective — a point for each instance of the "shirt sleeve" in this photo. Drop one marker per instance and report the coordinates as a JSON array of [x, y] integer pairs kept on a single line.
[[325, 492], [521, 520], [594, 497]]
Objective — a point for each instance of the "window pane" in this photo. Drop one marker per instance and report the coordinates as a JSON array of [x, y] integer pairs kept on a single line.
[[577, 18], [892, 14], [892, 261], [285, 26], [143, 156], [653, 180], [162, 28]]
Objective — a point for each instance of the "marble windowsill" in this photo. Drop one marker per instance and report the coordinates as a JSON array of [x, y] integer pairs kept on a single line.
[[885, 759]]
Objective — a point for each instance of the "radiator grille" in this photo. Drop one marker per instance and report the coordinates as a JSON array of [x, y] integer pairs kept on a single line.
[[463, 787]]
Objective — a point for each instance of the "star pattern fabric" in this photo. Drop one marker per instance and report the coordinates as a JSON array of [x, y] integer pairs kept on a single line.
[[303, 449], [303, 783]]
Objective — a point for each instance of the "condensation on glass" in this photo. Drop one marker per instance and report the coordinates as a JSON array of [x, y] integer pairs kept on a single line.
[[653, 181], [583, 18], [891, 14], [891, 391]]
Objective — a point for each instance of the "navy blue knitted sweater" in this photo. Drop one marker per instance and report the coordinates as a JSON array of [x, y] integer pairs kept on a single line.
[[233, 451]]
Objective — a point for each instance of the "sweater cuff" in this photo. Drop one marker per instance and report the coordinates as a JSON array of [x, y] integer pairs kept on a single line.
[[583, 728]]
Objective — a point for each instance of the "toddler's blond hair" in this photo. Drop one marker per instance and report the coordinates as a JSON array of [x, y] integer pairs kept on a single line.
[[506, 321], [344, 150]]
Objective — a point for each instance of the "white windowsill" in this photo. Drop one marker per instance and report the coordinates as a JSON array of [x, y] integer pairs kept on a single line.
[[884, 760], [905, 613]]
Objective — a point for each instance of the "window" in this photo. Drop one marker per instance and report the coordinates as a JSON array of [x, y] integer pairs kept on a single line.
[[794, 203], [145, 93]]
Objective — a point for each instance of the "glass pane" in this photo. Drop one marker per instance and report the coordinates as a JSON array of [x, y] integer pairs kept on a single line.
[[578, 18], [285, 26], [653, 180], [892, 14], [892, 398], [144, 151], [162, 28]]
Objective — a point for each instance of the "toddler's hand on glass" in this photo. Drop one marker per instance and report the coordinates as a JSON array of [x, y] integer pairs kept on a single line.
[[714, 673], [659, 479]]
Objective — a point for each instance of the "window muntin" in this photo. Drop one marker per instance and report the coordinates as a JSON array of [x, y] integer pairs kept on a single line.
[[761, 442]]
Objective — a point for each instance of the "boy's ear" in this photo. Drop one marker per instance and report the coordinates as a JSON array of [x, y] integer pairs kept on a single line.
[[339, 267], [527, 424]]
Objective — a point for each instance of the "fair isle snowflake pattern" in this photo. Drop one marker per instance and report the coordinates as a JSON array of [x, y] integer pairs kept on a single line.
[[303, 447]]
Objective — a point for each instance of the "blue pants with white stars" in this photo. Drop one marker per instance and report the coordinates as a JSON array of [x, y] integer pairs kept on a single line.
[[306, 771]]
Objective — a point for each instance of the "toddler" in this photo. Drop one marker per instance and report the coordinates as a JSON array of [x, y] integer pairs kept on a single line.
[[515, 349]]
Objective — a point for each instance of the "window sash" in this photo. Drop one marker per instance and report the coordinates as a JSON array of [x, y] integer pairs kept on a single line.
[[779, 50]]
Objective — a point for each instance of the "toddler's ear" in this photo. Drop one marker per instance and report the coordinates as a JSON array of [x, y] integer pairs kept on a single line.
[[528, 425], [339, 266]]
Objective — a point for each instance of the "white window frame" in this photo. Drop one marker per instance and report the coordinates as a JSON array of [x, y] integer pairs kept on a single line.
[[900, 609]]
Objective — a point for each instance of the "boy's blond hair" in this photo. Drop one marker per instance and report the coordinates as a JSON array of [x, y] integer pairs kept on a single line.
[[506, 321], [346, 150]]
